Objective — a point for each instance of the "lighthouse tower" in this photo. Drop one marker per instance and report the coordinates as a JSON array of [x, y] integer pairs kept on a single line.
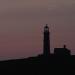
[[46, 41]]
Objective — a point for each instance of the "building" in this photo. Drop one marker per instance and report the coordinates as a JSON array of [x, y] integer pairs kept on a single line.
[[46, 45], [62, 51], [46, 41]]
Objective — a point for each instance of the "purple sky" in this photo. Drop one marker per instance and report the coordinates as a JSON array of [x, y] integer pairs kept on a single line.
[[22, 22]]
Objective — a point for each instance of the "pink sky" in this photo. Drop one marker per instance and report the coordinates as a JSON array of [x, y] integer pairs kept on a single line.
[[22, 22]]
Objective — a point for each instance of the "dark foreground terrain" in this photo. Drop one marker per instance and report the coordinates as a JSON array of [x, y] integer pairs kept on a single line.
[[51, 65]]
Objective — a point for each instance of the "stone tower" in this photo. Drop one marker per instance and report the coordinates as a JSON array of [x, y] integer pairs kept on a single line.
[[46, 41]]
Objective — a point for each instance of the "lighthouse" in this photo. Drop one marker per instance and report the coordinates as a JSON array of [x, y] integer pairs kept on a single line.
[[46, 41]]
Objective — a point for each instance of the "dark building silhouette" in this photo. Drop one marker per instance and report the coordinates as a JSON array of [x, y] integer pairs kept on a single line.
[[46, 45], [46, 41], [62, 51]]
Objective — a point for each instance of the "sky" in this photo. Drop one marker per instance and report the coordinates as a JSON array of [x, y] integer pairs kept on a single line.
[[22, 22]]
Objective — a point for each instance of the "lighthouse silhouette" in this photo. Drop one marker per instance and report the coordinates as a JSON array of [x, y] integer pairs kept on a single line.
[[46, 41]]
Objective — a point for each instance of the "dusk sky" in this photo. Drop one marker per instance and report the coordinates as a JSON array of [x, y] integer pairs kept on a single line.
[[22, 22]]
